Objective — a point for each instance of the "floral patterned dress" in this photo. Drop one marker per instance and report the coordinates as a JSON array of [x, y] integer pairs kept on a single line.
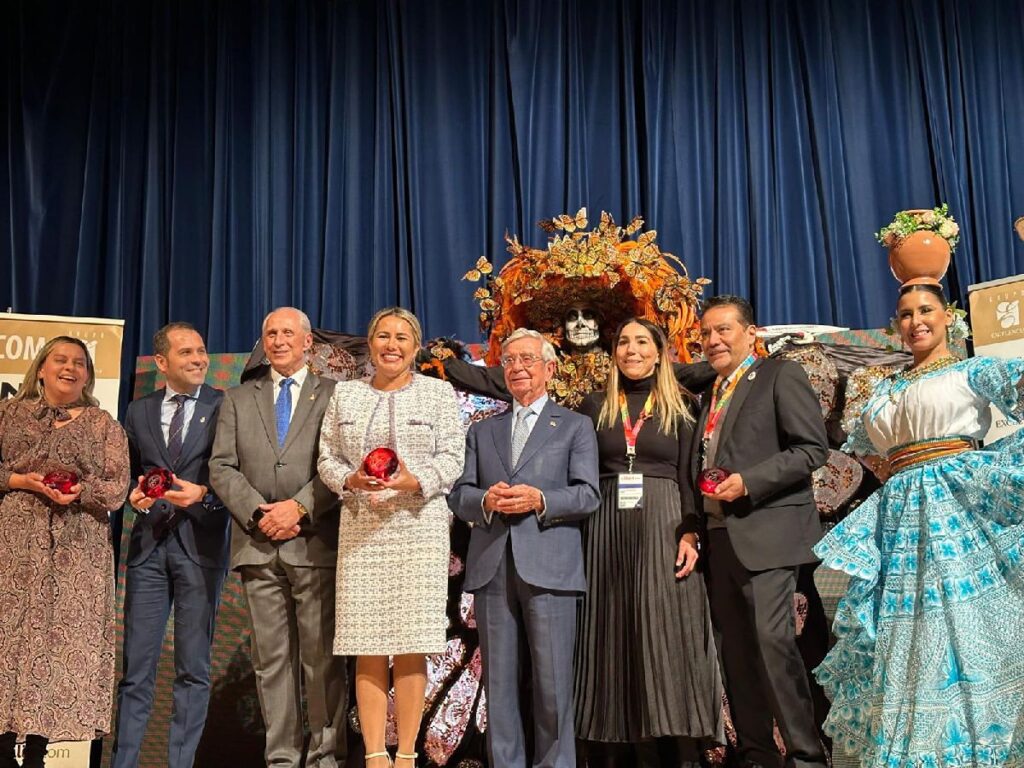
[[57, 572], [928, 669]]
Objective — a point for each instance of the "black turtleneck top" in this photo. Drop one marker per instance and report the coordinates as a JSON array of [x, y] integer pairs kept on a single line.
[[657, 454]]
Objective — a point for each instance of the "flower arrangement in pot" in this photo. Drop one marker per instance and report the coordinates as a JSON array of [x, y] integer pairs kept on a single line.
[[920, 242]]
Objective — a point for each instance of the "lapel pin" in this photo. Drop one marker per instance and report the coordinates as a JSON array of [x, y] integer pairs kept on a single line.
[[752, 375], [312, 397], [202, 419], [553, 423]]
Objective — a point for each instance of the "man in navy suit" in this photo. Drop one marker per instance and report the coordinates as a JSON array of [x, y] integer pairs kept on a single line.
[[530, 479], [178, 553]]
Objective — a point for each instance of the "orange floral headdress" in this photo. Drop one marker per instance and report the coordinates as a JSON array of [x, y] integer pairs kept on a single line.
[[604, 268]]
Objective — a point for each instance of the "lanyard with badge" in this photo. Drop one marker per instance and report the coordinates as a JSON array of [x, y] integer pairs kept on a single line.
[[720, 397], [631, 484]]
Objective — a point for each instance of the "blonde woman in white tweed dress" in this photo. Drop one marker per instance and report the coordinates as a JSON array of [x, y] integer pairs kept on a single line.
[[393, 542]]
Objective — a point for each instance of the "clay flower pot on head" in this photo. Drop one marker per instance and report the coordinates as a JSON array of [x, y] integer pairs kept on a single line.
[[921, 256]]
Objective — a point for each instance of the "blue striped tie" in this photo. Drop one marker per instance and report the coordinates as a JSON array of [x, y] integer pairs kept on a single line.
[[176, 432], [283, 409]]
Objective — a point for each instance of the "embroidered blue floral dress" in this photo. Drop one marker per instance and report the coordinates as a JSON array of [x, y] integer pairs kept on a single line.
[[928, 670]]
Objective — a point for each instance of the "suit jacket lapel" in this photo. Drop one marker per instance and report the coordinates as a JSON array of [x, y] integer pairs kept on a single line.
[[153, 407], [501, 434], [197, 426], [307, 394], [264, 394], [543, 428], [739, 396]]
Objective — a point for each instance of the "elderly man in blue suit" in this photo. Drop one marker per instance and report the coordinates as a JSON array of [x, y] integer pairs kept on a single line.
[[530, 480], [178, 553]]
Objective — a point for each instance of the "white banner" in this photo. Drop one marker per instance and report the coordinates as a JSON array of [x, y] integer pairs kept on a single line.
[[21, 338], [997, 311]]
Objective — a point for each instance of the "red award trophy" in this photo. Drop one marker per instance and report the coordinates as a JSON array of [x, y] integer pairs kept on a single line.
[[710, 479], [61, 480], [381, 463], [156, 482]]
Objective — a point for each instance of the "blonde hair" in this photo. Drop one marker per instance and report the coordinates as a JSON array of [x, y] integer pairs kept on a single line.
[[402, 314], [670, 398], [32, 387]]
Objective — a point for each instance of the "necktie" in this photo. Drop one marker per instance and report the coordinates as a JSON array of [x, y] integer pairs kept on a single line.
[[175, 433], [283, 410], [520, 433]]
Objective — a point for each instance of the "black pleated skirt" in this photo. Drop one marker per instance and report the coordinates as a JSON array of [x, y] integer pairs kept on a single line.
[[646, 664]]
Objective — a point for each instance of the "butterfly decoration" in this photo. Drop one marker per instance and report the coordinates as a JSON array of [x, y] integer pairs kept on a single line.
[[565, 222], [634, 225], [483, 267]]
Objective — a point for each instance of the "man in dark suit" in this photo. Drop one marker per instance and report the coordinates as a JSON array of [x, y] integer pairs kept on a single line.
[[285, 546], [760, 420], [178, 553], [530, 479]]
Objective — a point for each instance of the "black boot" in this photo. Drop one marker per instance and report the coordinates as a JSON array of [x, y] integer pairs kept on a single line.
[[34, 755], [7, 750]]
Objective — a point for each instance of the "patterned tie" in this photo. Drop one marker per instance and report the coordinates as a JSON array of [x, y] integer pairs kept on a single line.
[[176, 432], [519, 435], [283, 409]]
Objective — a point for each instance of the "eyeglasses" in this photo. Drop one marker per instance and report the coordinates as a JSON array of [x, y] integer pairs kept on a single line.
[[527, 360]]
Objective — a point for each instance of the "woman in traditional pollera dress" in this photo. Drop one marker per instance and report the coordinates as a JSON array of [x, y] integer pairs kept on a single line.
[[928, 669]]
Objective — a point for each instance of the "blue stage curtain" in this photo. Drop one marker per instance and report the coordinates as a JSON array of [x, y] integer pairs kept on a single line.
[[211, 160]]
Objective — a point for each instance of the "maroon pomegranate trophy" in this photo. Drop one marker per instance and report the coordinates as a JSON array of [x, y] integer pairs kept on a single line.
[[710, 479], [61, 480], [157, 482], [381, 463]]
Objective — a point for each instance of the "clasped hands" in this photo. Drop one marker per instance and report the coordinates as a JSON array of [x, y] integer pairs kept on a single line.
[[33, 481], [513, 499], [182, 494], [280, 520], [402, 480]]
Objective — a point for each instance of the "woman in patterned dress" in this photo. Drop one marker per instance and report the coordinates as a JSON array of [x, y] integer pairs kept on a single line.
[[392, 577], [56, 559], [928, 669]]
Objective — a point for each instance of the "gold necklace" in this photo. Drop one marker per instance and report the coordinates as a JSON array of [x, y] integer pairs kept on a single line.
[[909, 375]]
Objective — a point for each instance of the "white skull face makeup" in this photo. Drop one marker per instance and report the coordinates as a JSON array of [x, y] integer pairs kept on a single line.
[[581, 327]]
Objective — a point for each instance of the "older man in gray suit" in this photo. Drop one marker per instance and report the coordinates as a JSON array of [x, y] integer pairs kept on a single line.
[[530, 479], [263, 467]]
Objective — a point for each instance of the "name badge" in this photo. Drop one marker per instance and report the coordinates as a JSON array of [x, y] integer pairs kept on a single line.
[[631, 490]]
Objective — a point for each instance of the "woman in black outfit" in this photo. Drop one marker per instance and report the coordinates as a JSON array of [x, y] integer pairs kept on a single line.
[[648, 687]]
